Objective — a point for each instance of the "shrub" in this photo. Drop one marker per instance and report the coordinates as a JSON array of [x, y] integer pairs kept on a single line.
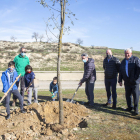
[[65, 50], [21, 45], [14, 47], [66, 44]]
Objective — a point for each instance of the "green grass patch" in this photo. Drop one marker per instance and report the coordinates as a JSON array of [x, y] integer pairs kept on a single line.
[[103, 122]]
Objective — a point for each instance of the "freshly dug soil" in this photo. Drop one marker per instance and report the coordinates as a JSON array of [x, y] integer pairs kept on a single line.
[[42, 119]]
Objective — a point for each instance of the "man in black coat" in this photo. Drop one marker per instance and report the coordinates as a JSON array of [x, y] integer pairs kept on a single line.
[[111, 66], [89, 77], [130, 73]]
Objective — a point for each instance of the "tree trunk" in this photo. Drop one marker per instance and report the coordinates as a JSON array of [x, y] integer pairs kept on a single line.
[[61, 116]]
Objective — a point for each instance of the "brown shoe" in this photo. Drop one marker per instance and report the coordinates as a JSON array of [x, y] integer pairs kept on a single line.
[[107, 104]]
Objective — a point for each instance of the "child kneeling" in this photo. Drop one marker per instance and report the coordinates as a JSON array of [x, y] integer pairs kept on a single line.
[[8, 77], [29, 84], [54, 88]]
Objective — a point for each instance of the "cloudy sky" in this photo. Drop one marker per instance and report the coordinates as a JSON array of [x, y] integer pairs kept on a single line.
[[111, 23]]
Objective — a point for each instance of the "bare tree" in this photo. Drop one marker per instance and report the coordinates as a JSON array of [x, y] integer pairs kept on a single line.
[[13, 38], [92, 46], [79, 41], [41, 37], [131, 48], [62, 30], [35, 35]]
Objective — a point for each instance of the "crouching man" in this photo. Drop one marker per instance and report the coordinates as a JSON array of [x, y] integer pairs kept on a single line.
[[89, 78]]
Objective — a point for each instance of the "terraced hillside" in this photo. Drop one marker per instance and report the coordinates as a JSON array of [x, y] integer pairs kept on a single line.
[[43, 56]]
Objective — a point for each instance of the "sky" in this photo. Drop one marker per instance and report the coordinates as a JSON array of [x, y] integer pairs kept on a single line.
[[110, 23]]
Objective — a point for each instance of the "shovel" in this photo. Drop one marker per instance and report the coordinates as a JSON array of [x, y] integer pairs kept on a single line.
[[28, 87], [9, 89], [71, 100]]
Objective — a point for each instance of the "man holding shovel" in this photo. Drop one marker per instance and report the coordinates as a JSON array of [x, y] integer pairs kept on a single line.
[[89, 78], [21, 61]]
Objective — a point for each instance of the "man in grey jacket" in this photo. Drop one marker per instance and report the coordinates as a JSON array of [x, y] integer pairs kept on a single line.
[[89, 78], [111, 66]]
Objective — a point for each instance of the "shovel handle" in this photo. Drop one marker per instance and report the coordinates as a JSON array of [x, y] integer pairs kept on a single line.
[[9, 89], [28, 87], [75, 93], [77, 88]]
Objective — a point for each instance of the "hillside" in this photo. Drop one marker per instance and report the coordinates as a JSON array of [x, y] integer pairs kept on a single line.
[[43, 56]]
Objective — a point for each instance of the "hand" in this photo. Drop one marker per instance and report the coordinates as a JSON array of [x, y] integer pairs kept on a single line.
[[30, 84], [80, 84], [26, 90], [52, 95], [5, 94], [120, 83], [16, 78]]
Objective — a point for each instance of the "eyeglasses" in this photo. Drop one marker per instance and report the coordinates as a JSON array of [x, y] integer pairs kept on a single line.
[[23, 52]]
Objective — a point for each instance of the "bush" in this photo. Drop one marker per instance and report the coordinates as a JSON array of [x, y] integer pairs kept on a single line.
[[12, 53], [8, 48], [14, 47], [29, 48], [66, 44], [65, 50], [21, 45], [40, 50]]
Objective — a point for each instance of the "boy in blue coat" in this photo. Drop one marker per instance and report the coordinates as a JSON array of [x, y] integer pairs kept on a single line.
[[54, 88], [29, 84], [8, 77]]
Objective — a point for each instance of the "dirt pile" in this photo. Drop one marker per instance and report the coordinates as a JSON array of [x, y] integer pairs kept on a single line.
[[42, 119]]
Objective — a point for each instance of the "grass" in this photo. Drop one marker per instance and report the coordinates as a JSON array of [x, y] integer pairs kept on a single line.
[[103, 122]]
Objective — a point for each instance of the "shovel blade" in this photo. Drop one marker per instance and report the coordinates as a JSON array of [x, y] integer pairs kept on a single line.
[[71, 101], [68, 100]]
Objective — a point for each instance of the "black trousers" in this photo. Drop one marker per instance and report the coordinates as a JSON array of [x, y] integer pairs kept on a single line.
[[17, 95], [89, 92], [22, 87], [132, 90], [110, 84]]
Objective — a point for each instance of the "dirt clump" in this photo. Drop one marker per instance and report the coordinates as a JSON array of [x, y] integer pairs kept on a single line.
[[43, 119]]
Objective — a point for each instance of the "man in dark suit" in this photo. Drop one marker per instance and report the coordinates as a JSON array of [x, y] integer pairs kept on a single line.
[[111, 67], [130, 72]]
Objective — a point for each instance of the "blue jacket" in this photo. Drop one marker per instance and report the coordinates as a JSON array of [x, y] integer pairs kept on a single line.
[[28, 77], [5, 81], [53, 87]]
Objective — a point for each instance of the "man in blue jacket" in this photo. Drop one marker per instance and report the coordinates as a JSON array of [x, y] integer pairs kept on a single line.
[[8, 77], [89, 77], [130, 73]]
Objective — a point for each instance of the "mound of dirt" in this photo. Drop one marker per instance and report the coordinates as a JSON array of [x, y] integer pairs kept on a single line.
[[42, 119]]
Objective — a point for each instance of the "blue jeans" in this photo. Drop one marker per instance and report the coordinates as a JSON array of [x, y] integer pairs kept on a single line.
[[57, 95], [111, 84], [89, 92], [22, 86]]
